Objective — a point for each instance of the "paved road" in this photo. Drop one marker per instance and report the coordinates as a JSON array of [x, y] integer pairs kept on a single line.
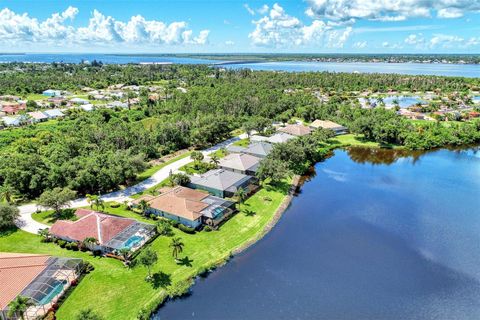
[[26, 223]]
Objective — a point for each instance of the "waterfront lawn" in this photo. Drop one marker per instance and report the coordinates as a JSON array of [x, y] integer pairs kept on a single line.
[[116, 292], [353, 140]]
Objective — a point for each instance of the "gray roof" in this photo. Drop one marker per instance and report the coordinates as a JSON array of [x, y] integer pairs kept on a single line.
[[259, 148], [236, 149], [53, 113], [220, 179], [240, 161], [278, 137]]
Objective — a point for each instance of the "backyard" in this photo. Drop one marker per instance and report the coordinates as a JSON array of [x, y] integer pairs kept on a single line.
[[112, 284]]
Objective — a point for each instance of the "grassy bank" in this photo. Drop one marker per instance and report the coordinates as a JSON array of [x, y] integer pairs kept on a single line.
[[353, 140], [111, 284]]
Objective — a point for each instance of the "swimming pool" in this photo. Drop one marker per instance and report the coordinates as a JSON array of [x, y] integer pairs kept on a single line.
[[55, 290], [133, 242]]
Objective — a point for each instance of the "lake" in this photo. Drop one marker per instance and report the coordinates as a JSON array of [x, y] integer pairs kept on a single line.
[[375, 234], [441, 69]]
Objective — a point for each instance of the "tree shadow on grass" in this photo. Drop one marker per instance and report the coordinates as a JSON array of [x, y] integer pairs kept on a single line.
[[65, 214], [249, 213], [161, 280], [8, 231], [185, 262]]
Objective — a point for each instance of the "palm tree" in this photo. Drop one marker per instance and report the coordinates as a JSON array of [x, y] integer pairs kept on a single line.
[[89, 242], [44, 233], [8, 193], [215, 160], [177, 247], [124, 253], [19, 306], [241, 195], [144, 206], [95, 201]]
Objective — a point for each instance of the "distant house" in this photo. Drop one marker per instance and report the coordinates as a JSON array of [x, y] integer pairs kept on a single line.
[[111, 232], [37, 116], [240, 163], [329, 125], [257, 149], [189, 207], [54, 113], [79, 101], [296, 129], [10, 107], [41, 278], [56, 100], [87, 107], [52, 93], [117, 104], [14, 121], [221, 183], [279, 137]]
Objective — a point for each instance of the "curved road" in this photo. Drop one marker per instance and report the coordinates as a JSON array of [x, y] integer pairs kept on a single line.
[[26, 222]]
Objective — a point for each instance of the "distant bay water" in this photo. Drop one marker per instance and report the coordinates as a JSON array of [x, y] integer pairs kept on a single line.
[[439, 69]]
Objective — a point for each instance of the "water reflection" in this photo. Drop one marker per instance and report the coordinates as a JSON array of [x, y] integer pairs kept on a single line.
[[382, 156]]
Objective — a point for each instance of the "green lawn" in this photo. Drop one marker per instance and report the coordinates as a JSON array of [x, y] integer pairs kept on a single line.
[[190, 168], [116, 292], [150, 171], [48, 217], [352, 140], [36, 97], [220, 153], [242, 142]]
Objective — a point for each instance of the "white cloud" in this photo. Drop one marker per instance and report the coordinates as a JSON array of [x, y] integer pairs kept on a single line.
[[263, 10], [441, 41], [278, 29], [389, 10], [101, 29], [230, 43], [249, 10]]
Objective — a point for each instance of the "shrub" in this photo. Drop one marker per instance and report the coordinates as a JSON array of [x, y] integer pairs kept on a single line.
[[97, 253], [68, 246], [207, 229], [114, 205], [174, 223], [137, 210], [62, 243], [186, 229], [74, 246], [87, 267], [153, 216]]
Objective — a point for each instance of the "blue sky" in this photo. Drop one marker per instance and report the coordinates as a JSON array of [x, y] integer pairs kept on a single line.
[[313, 26]]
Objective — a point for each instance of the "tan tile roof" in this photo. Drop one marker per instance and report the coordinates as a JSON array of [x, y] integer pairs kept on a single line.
[[326, 124], [100, 226], [17, 271], [240, 161], [182, 202], [296, 129]]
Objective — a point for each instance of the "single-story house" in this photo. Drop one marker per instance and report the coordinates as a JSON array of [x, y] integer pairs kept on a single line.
[[189, 207], [257, 149], [12, 121], [37, 116], [111, 232], [52, 93], [329, 125], [87, 107], [117, 104], [279, 137], [12, 107], [240, 163], [54, 113], [79, 101], [221, 183], [296, 129], [42, 278]]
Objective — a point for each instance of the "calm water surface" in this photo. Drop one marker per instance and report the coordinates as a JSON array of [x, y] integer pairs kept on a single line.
[[461, 70], [374, 235]]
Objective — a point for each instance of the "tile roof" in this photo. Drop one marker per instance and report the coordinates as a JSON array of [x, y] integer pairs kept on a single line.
[[326, 124], [259, 148], [37, 115], [100, 226], [278, 137], [296, 129], [17, 271], [240, 161], [220, 179], [182, 202]]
